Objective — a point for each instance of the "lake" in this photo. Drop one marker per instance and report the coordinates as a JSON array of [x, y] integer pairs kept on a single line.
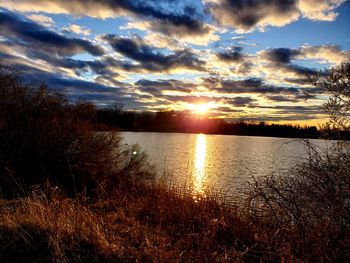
[[223, 163]]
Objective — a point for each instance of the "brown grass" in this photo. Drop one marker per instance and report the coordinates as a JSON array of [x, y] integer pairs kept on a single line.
[[148, 225]]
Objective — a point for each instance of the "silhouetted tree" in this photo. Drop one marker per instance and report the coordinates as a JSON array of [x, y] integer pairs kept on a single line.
[[45, 140], [335, 83], [312, 198]]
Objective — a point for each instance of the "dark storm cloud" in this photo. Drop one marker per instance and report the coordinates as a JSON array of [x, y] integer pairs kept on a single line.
[[28, 33], [281, 55], [150, 58], [232, 55]]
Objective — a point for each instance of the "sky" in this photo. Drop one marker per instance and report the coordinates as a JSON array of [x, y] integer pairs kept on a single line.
[[234, 59]]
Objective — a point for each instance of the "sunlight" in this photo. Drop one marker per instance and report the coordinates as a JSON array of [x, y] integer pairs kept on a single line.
[[201, 108], [199, 165]]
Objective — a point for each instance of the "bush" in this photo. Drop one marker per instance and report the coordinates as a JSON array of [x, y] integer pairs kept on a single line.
[[306, 212], [48, 141]]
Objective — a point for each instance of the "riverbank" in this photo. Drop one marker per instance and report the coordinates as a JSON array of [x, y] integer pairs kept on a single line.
[[157, 224], [69, 194], [145, 224], [142, 225]]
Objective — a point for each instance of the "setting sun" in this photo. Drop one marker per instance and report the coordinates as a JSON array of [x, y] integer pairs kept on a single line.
[[201, 108]]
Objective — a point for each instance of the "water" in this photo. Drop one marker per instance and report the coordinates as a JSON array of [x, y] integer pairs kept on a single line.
[[222, 163]]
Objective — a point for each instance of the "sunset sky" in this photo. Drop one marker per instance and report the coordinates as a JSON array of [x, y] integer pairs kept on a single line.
[[241, 59]]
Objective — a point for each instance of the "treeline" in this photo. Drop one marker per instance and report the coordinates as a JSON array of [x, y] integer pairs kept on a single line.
[[184, 121]]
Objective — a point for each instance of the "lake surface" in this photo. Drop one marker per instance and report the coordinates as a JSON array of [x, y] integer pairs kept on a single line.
[[222, 163]]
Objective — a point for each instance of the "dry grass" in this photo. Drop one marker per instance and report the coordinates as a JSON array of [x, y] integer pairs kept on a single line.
[[148, 225]]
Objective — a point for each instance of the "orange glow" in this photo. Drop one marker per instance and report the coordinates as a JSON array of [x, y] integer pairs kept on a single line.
[[201, 108]]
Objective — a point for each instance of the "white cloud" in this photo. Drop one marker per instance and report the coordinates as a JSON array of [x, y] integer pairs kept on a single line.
[[324, 54], [321, 10], [42, 19], [77, 30]]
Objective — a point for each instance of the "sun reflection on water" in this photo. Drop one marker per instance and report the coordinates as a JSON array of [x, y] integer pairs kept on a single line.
[[199, 166]]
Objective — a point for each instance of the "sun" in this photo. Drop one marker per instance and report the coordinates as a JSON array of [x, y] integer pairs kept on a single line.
[[200, 108]]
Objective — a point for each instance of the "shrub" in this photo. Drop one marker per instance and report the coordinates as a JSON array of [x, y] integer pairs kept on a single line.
[[335, 83], [306, 212], [46, 140]]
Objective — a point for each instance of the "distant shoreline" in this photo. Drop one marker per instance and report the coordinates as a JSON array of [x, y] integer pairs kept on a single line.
[[243, 135]]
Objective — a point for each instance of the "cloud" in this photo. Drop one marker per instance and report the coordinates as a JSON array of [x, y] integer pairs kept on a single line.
[[75, 89], [227, 87], [76, 29], [202, 37], [321, 10], [278, 65], [159, 40], [247, 15], [285, 109], [280, 55], [188, 99], [41, 19], [233, 54], [25, 32], [325, 54], [252, 85], [241, 101], [151, 58], [232, 61], [182, 17], [156, 87]]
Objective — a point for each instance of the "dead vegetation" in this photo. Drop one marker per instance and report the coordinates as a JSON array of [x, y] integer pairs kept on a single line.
[[73, 195]]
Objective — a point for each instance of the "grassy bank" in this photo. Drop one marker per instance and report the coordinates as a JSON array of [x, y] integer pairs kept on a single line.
[[146, 224], [154, 224], [70, 194]]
